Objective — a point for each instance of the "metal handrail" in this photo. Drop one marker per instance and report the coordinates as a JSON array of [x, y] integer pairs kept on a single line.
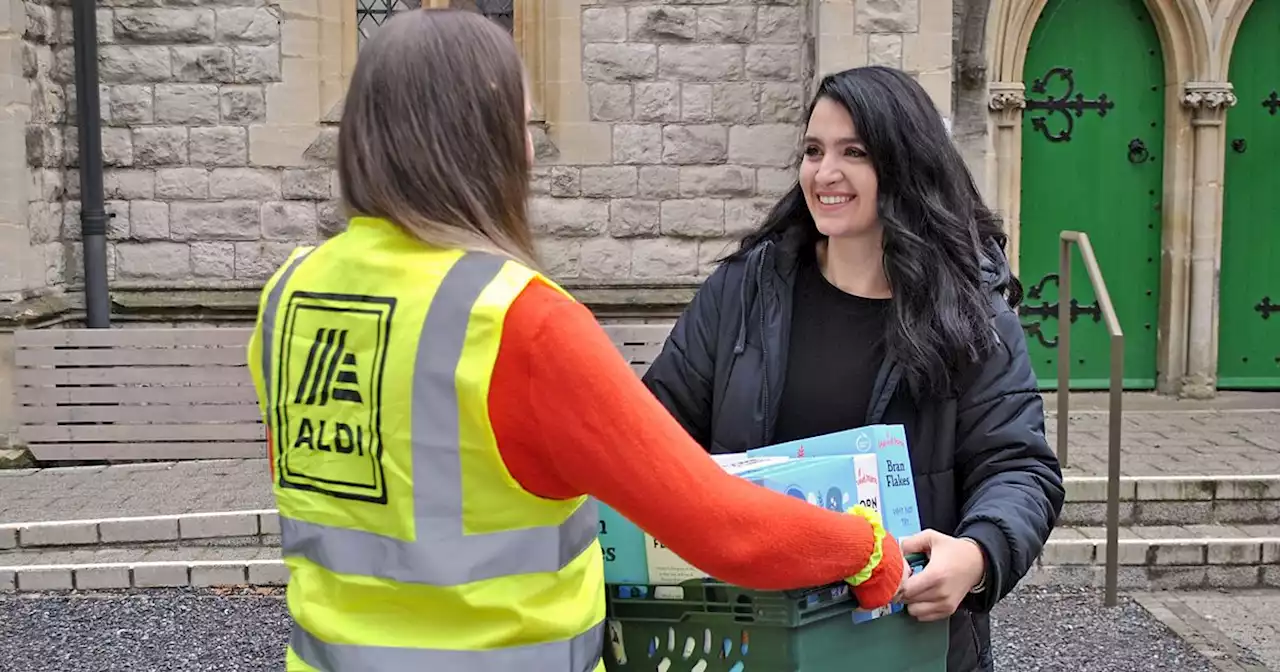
[[1116, 388]]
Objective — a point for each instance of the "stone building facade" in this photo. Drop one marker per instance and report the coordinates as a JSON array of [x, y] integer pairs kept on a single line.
[[664, 128]]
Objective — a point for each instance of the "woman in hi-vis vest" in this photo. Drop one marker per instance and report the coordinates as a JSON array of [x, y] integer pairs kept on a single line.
[[438, 411]]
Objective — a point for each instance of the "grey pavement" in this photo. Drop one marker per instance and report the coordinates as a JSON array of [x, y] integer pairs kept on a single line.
[[148, 489], [1034, 630], [1204, 440], [1238, 629], [1172, 443]]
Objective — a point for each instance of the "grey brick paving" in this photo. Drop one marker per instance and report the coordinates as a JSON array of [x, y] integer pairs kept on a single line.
[[112, 555], [1240, 629], [1175, 443], [134, 490], [1034, 630], [1155, 443]]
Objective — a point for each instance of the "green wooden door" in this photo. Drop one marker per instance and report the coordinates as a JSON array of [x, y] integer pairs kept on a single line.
[[1092, 148], [1249, 293]]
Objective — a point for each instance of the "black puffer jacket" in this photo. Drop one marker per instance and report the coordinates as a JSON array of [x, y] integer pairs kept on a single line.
[[982, 466]]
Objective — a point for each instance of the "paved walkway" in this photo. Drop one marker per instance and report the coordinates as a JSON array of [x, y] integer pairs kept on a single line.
[[1239, 630], [1168, 443], [1193, 442]]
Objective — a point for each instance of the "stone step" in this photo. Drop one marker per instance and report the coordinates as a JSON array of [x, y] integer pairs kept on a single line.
[[1175, 500], [1163, 557], [123, 568], [1198, 556], [1144, 500]]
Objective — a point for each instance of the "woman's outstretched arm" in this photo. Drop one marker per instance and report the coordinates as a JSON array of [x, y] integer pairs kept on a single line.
[[572, 418]]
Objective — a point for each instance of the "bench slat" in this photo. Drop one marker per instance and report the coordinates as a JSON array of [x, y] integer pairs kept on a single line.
[[176, 356], [141, 433], [158, 395], [214, 450], [637, 333], [133, 338], [153, 415], [169, 394], [137, 375]]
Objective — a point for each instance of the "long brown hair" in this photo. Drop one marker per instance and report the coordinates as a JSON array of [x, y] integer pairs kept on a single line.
[[433, 133]]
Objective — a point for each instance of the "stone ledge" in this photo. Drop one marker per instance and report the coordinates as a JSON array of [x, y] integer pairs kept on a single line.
[[262, 524], [239, 573], [1176, 488], [1158, 578], [124, 575], [1218, 512], [1249, 552], [195, 302]]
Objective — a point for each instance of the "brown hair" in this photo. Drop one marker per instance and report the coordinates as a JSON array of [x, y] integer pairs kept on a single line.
[[433, 133]]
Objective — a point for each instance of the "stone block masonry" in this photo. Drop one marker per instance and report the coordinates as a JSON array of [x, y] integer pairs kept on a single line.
[[703, 102], [184, 87], [675, 126]]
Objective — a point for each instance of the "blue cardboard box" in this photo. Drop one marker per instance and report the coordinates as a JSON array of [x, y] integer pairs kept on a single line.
[[625, 545], [634, 557], [628, 549], [828, 482], [888, 443]]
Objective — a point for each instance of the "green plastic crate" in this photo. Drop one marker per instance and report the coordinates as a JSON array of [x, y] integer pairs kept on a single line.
[[718, 627]]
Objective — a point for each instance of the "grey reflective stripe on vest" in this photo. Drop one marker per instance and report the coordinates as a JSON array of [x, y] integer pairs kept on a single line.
[[441, 554], [269, 324], [580, 654]]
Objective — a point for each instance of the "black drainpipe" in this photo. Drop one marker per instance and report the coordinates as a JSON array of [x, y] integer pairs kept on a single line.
[[93, 215]]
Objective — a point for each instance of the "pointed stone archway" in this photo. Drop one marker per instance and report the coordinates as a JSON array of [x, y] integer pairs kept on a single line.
[[1195, 36]]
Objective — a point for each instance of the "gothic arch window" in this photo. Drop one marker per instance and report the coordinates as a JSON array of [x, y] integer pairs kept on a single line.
[[373, 13], [522, 18]]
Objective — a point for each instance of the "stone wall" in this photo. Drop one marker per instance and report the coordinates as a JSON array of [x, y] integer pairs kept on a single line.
[[30, 258], [182, 85], [667, 129], [671, 126], [703, 104]]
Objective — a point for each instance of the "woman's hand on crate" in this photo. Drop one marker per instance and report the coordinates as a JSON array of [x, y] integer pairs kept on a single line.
[[955, 567], [906, 574]]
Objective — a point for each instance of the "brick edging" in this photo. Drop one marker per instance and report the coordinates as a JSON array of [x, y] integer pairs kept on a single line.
[[139, 529], [121, 575], [266, 523], [1199, 488], [1158, 578], [1173, 552], [274, 573]]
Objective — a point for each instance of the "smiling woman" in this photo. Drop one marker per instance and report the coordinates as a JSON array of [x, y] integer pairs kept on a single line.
[[836, 175], [877, 292]]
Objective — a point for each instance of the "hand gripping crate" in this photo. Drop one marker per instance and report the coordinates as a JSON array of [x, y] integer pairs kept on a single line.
[[708, 626]]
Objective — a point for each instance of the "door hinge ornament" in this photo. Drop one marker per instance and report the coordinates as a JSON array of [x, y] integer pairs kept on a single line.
[[1049, 310], [1266, 307], [1272, 103], [1064, 105]]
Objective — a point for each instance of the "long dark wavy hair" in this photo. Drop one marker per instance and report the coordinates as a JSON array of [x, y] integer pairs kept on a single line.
[[937, 230]]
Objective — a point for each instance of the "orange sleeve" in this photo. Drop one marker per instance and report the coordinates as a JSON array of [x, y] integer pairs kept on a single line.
[[572, 418]]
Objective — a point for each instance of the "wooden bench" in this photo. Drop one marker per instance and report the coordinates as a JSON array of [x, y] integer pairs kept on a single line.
[[167, 393]]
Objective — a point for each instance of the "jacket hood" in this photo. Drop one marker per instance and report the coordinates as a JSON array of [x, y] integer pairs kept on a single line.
[[996, 274]]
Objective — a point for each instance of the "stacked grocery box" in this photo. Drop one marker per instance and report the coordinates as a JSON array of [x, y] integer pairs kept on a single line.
[[667, 615]]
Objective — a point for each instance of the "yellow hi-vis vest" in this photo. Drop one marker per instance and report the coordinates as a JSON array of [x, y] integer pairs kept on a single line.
[[409, 544]]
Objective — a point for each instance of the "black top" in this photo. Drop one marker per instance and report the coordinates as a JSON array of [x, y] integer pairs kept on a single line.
[[983, 468], [836, 348]]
